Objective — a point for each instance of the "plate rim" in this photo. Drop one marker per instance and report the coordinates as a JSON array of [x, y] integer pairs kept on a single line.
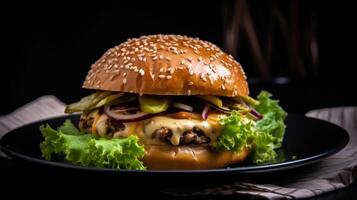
[[240, 169]]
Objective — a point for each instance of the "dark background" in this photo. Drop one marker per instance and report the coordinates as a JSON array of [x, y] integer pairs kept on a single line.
[[47, 48]]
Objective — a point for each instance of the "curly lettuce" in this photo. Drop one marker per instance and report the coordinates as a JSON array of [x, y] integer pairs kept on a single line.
[[84, 149], [263, 136]]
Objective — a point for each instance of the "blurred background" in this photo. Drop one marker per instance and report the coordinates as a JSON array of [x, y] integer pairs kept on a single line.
[[301, 51]]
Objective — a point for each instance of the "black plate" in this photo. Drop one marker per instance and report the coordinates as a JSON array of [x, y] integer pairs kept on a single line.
[[306, 141]]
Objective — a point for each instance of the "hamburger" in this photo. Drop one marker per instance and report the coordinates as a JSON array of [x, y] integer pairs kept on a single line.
[[167, 102]]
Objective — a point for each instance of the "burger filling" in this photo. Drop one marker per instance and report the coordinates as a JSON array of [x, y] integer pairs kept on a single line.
[[115, 127], [158, 129], [165, 120]]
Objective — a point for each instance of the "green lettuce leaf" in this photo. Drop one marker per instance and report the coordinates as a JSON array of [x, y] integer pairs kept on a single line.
[[236, 133], [264, 136], [117, 153], [68, 128], [84, 149], [273, 117]]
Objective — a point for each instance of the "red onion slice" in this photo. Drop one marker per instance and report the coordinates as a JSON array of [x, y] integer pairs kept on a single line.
[[123, 108], [256, 114], [121, 117], [205, 112], [223, 109], [182, 106]]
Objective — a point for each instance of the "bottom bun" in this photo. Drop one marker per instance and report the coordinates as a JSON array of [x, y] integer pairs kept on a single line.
[[158, 157]]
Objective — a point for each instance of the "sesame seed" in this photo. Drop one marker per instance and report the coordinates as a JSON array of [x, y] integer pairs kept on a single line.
[[222, 87], [154, 58], [161, 57], [168, 77], [183, 62], [210, 80], [115, 66], [191, 72], [142, 72], [124, 81], [189, 59], [190, 83], [203, 78], [161, 76], [199, 59], [124, 74], [168, 58], [188, 92]]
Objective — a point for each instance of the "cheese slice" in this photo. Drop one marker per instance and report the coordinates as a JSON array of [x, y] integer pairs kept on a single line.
[[180, 126]]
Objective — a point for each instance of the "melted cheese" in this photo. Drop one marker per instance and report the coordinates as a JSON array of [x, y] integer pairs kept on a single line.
[[180, 126]]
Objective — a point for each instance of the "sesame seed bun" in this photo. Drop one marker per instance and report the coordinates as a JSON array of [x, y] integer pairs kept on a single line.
[[168, 65]]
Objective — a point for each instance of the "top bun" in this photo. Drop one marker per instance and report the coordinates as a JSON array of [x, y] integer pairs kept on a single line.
[[168, 65]]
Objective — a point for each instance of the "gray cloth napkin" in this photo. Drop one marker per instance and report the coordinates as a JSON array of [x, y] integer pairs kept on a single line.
[[335, 172], [41, 108]]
